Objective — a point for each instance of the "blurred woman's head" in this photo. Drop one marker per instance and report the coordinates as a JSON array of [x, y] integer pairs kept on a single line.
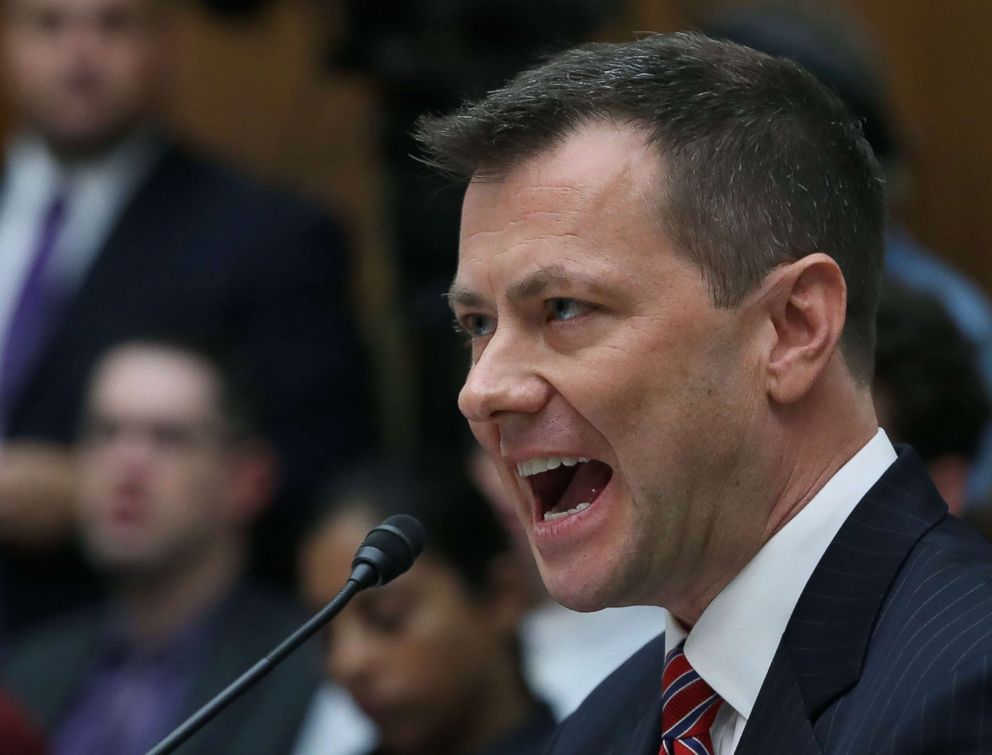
[[432, 656]]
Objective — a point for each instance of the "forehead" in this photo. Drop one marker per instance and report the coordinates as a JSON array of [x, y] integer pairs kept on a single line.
[[598, 192], [154, 382]]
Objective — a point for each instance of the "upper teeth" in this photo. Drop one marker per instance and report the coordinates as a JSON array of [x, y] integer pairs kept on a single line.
[[536, 466]]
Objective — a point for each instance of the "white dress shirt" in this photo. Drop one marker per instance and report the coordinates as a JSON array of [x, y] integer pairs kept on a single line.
[[96, 193], [732, 645]]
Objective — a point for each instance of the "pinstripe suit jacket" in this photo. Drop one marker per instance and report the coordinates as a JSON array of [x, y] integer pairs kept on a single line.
[[889, 649]]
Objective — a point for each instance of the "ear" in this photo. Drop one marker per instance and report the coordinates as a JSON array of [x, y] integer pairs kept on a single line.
[[251, 481], [806, 302], [950, 474]]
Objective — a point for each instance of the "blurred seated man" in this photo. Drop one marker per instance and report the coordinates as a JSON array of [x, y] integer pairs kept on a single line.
[[172, 473], [432, 658], [928, 388], [110, 229]]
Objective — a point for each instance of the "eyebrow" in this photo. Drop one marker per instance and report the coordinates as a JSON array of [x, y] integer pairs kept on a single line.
[[529, 287], [463, 297]]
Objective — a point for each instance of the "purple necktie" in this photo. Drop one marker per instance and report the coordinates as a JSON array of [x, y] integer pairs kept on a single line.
[[35, 311]]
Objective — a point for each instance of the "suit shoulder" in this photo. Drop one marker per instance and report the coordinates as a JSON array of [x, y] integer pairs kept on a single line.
[[43, 666], [622, 702], [935, 616], [949, 562]]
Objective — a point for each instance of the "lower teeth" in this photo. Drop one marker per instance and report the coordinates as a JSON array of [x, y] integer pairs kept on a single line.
[[550, 515]]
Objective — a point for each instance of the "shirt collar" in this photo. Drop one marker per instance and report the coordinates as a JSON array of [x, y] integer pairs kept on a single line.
[[735, 639], [30, 164]]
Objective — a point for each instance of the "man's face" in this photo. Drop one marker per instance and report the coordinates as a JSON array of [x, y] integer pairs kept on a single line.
[[592, 340], [81, 73], [155, 462]]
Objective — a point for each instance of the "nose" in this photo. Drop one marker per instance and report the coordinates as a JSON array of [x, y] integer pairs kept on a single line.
[[349, 657], [504, 380]]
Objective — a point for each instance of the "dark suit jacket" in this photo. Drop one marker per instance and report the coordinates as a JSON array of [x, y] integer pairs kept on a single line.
[[46, 670], [889, 649], [202, 251]]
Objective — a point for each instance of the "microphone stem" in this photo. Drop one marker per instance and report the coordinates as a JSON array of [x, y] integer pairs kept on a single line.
[[260, 669]]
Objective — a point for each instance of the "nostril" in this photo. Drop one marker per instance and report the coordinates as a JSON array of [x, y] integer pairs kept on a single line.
[[469, 404]]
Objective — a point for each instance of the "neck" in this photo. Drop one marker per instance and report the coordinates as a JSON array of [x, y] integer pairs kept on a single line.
[[805, 446], [157, 605]]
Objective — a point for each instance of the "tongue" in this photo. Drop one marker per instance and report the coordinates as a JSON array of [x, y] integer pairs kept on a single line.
[[585, 486]]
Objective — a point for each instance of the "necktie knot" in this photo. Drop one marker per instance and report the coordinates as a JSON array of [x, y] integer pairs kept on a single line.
[[689, 706]]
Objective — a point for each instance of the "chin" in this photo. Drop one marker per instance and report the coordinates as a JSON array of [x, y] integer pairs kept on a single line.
[[83, 140], [578, 593]]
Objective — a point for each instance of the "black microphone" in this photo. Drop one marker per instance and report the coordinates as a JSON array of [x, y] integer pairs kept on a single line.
[[387, 551]]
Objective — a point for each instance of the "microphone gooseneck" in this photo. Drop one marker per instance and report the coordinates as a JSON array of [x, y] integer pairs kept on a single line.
[[387, 551]]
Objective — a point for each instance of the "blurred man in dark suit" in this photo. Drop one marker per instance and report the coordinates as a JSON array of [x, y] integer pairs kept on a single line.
[[668, 274], [109, 228], [172, 473]]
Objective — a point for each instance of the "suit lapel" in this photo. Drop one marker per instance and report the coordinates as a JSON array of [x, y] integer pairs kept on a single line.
[[823, 647], [779, 722], [646, 736]]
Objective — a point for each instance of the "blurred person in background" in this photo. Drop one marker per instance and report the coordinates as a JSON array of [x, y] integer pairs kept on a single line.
[[110, 228], [928, 389], [432, 658], [172, 472]]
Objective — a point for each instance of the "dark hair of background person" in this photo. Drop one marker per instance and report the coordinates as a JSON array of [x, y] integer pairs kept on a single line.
[[460, 527], [927, 373], [828, 45], [235, 395], [763, 164]]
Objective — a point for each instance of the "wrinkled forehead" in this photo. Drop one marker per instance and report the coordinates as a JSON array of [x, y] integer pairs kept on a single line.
[[597, 164], [595, 190]]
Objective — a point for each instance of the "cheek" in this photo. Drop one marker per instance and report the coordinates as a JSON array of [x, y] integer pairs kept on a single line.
[[131, 69], [31, 69], [443, 655]]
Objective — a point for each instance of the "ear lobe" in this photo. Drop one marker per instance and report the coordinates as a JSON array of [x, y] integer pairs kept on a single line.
[[806, 307], [252, 480]]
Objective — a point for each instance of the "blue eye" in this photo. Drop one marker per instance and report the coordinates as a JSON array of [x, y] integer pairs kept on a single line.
[[475, 325], [566, 309]]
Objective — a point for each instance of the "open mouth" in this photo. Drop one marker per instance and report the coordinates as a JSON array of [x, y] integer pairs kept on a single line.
[[564, 486]]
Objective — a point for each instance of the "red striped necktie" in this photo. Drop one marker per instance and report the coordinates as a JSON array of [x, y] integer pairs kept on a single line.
[[688, 708]]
